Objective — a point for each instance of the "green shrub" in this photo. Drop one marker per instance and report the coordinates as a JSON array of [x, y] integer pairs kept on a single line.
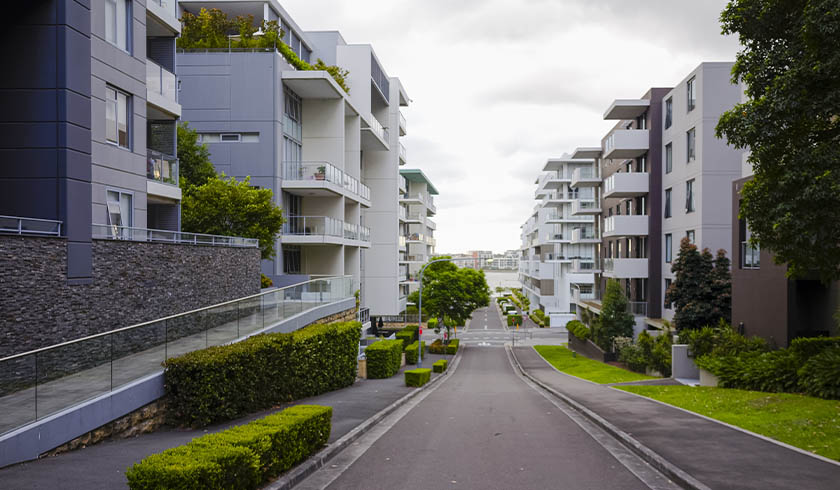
[[514, 320], [440, 366], [579, 330], [648, 352], [411, 352], [807, 347], [820, 376], [265, 281], [240, 457], [437, 347], [406, 337], [452, 347], [225, 382], [417, 377], [383, 358], [432, 323]]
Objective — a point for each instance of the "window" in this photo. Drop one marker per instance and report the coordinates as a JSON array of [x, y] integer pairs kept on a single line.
[[668, 203], [750, 254], [627, 208], [669, 248], [689, 196], [690, 235], [667, 287], [230, 138], [116, 117], [691, 93], [120, 213], [117, 16], [690, 137], [669, 112], [669, 158]]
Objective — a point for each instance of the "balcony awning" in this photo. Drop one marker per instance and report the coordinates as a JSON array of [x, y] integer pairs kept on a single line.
[[312, 84], [585, 152], [622, 109], [554, 164]]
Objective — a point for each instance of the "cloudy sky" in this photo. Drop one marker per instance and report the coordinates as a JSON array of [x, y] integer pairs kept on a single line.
[[499, 86]]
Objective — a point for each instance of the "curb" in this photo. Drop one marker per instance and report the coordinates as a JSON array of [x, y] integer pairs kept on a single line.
[[667, 468], [320, 459]]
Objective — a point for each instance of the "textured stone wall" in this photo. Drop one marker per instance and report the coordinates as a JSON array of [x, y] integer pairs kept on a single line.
[[342, 316], [132, 282]]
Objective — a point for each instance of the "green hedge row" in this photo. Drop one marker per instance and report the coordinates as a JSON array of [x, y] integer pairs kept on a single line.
[[383, 358], [452, 347], [408, 334], [579, 330], [411, 352], [240, 457], [417, 377], [225, 382], [514, 320], [440, 365]]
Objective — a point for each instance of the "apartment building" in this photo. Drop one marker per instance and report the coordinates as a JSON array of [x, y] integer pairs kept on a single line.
[[665, 177], [416, 228], [91, 107], [557, 264]]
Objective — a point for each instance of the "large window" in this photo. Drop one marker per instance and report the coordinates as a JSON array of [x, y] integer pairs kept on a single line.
[[691, 93], [117, 17], [120, 213], [117, 117], [669, 112], [668, 203], [689, 196], [690, 139], [669, 248], [669, 158]]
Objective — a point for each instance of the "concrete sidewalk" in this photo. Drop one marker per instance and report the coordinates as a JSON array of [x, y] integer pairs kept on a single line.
[[716, 455], [103, 466]]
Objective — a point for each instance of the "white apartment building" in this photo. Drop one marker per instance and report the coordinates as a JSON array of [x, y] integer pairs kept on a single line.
[[557, 264], [417, 229]]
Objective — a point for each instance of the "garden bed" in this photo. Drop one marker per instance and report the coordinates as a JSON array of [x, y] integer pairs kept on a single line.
[[582, 367]]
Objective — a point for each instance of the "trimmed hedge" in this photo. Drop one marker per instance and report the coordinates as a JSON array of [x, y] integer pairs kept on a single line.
[[408, 334], [225, 382], [411, 352], [240, 457], [821, 374], [807, 347], [514, 320], [383, 358], [452, 347], [579, 330], [440, 366], [417, 377]]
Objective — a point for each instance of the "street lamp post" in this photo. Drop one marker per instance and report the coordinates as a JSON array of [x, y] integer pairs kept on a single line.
[[420, 303]]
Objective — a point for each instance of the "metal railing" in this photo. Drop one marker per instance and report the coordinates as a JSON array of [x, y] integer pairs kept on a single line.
[[750, 256], [403, 153], [112, 232], [416, 237], [379, 129], [403, 184], [324, 171], [403, 125], [41, 382], [402, 213], [363, 315], [313, 225], [584, 173], [29, 226], [162, 168], [160, 81]]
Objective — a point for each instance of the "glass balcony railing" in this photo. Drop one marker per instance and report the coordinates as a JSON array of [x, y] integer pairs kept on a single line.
[[160, 81], [403, 125], [402, 213], [403, 184], [161, 168], [402, 153], [377, 128], [313, 225]]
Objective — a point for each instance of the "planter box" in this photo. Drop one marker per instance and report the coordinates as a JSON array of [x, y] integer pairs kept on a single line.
[[707, 378], [362, 372]]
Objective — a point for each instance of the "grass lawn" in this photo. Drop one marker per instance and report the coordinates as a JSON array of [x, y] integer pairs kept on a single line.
[[812, 424], [582, 367]]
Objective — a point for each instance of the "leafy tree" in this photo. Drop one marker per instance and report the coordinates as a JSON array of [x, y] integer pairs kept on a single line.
[[193, 158], [223, 206], [615, 320], [452, 292], [702, 290], [790, 66]]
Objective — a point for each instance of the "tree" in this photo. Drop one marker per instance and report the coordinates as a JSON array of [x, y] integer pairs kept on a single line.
[[193, 158], [790, 66], [223, 206], [702, 290], [615, 320], [452, 292]]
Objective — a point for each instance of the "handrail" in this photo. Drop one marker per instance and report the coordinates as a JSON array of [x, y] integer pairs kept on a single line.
[[19, 229], [157, 320], [135, 234]]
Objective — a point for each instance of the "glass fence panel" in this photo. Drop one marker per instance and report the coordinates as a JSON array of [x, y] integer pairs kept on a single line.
[[17, 393], [138, 352], [225, 323], [73, 373]]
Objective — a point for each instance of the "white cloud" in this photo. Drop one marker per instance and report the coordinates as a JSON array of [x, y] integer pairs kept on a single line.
[[498, 86]]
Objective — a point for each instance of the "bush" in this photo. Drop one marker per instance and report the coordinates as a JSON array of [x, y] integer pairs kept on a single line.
[[437, 347], [452, 347], [579, 330], [265, 281], [417, 377], [405, 337], [806, 348], [440, 366], [647, 353], [383, 358], [225, 382], [411, 352], [514, 320], [432, 323], [240, 457], [820, 376]]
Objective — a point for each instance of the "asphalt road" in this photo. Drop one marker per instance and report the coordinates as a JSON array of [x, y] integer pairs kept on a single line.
[[485, 428]]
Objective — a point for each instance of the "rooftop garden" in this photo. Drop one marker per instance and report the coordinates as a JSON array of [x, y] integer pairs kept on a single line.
[[213, 29]]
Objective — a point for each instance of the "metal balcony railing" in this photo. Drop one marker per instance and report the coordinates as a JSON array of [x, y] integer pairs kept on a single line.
[[112, 232], [324, 171], [29, 226]]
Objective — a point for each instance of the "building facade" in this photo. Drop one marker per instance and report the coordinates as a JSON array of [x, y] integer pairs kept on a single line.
[[417, 229]]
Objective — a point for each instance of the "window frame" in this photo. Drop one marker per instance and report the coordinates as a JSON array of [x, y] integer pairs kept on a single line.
[[669, 112], [667, 205], [691, 145], [669, 158], [128, 22], [690, 206], [691, 93], [116, 232], [128, 113], [669, 248], [691, 236]]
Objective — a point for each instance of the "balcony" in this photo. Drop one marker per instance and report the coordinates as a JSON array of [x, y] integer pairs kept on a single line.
[[430, 206], [162, 175], [624, 109], [166, 12], [626, 268], [416, 218], [558, 217], [374, 135], [585, 208], [556, 238], [624, 225], [584, 235], [585, 177], [403, 185], [322, 179], [402, 154], [402, 124], [18, 225], [324, 230], [416, 238], [161, 89], [431, 224], [401, 242], [626, 184], [626, 143], [402, 213], [585, 266]]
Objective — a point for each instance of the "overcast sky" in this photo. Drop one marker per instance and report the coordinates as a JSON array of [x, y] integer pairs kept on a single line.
[[499, 86]]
